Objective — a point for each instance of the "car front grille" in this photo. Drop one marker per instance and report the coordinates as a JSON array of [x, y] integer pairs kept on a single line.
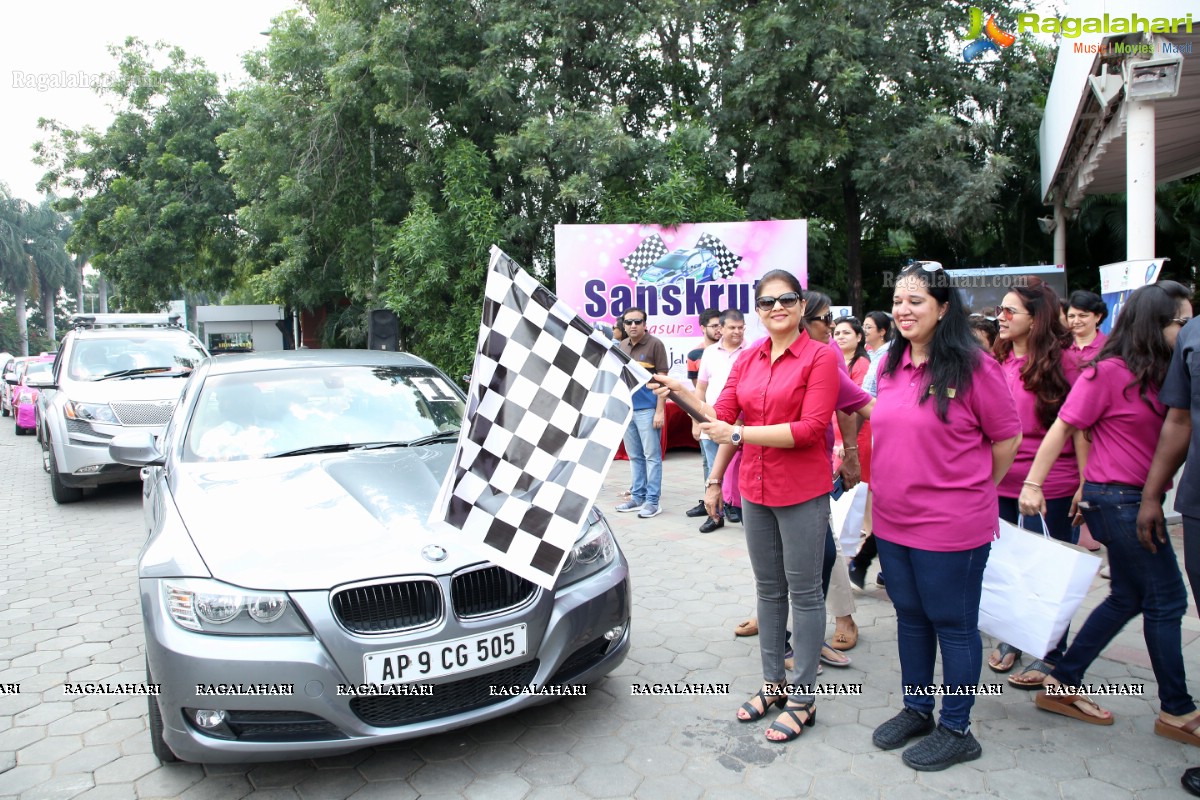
[[580, 661], [281, 726], [388, 607], [157, 413], [488, 591], [389, 711]]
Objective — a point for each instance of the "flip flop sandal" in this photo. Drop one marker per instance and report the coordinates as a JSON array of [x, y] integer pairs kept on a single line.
[[845, 641], [1005, 650], [830, 661], [1065, 704], [747, 628], [1022, 680], [1185, 733], [791, 711], [753, 714]]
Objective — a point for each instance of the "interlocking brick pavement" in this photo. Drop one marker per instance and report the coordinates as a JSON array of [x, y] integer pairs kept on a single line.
[[69, 612]]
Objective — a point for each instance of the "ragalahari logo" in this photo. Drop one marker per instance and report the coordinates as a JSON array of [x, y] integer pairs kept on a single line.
[[984, 37]]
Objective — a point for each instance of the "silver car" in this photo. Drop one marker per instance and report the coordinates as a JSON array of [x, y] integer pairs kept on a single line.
[[295, 604], [113, 373]]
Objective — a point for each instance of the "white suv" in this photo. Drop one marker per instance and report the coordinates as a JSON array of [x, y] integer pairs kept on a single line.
[[114, 372]]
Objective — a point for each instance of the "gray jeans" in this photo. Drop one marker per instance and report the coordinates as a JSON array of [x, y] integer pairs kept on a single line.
[[786, 546]]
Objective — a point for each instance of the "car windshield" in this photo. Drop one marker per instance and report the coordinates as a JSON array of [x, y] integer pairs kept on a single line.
[[310, 409], [38, 371], [102, 359]]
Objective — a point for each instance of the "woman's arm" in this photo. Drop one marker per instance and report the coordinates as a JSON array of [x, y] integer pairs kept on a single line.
[[1003, 454], [1031, 500]]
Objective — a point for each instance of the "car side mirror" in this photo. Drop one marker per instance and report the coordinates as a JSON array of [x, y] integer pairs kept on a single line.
[[11, 381], [136, 449], [41, 383]]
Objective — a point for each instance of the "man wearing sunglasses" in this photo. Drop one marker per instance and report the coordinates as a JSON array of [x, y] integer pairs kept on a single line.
[[643, 438]]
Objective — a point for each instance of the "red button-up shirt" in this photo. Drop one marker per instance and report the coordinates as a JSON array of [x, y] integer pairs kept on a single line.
[[799, 388]]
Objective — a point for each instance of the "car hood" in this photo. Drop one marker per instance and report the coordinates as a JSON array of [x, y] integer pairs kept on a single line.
[[317, 521]]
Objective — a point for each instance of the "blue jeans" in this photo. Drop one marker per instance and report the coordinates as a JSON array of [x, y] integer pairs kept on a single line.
[[1142, 583], [643, 445], [1059, 523], [708, 449], [936, 595]]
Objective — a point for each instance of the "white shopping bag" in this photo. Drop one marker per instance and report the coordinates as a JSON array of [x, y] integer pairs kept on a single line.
[[846, 518], [1032, 586]]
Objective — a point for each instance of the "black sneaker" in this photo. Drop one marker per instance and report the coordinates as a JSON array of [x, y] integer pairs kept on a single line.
[[697, 510], [711, 525], [879, 580], [856, 574], [733, 513], [900, 728], [942, 748]]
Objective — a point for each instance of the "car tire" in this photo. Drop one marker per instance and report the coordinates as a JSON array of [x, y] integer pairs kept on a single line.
[[162, 751], [17, 429], [60, 491]]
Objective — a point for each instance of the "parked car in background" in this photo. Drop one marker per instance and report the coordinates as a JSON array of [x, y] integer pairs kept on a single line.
[[8, 380], [296, 604], [113, 373], [30, 377]]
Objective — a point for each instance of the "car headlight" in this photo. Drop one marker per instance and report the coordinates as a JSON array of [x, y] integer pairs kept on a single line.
[[208, 606], [91, 412], [594, 550]]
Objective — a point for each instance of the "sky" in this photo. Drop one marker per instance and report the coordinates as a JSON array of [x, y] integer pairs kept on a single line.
[[54, 43]]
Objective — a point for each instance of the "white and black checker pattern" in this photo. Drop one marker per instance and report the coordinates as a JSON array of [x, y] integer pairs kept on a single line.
[[726, 258], [650, 250], [548, 406]]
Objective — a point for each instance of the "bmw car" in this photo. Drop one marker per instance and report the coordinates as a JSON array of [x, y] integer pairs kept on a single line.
[[295, 602]]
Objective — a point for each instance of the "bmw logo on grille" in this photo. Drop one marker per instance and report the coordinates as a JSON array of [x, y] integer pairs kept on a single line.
[[434, 553]]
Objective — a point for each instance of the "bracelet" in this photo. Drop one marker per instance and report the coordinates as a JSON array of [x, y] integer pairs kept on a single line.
[[848, 449], [1031, 483], [714, 482]]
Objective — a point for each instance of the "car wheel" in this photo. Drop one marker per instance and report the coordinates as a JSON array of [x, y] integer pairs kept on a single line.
[[158, 744], [59, 490]]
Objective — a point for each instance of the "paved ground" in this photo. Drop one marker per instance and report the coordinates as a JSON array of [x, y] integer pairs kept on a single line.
[[69, 612]]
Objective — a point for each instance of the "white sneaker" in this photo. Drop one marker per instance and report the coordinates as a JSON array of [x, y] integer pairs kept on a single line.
[[649, 510]]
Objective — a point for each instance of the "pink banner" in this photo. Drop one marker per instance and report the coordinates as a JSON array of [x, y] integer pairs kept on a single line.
[[674, 273]]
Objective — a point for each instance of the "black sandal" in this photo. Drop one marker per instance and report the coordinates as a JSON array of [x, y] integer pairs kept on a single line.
[[1005, 650], [788, 733], [767, 701]]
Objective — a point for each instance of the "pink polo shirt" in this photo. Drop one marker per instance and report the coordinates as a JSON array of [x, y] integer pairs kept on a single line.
[[1084, 355], [1124, 429], [937, 492], [799, 388], [1063, 479]]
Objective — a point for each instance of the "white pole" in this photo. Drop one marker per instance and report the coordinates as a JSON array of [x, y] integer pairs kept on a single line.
[[1060, 233], [1139, 180]]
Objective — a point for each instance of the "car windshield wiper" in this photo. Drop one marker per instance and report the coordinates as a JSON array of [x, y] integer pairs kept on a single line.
[[316, 448], [440, 436], [130, 373]]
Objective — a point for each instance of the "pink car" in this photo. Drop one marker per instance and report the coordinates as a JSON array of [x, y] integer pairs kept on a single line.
[[24, 396]]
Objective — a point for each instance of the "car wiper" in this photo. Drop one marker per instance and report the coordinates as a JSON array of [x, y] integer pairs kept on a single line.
[[129, 373], [317, 448], [440, 436]]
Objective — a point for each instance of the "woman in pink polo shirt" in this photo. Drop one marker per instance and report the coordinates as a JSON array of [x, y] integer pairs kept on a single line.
[[1030, 349], [945, 416], [1116, 402], [1085, 312], [785, 388]]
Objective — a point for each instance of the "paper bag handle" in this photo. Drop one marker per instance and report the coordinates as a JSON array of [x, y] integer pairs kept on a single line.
[[1045, 527]]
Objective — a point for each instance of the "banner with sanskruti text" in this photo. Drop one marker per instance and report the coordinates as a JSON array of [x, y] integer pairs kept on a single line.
[[674, 273]]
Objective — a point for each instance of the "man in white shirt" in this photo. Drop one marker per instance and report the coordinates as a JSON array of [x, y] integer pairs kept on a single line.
[[715, 366]]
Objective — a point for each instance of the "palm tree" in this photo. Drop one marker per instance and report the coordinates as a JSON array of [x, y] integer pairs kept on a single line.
[[49, 232], [17, 272]]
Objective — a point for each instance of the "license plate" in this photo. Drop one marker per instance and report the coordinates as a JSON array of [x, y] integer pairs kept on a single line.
[[439, 659]]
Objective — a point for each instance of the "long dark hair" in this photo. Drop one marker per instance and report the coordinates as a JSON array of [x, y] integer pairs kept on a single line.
[[860, 350], [1137, 335], [954, 351], [883, 322], [1042, 375]]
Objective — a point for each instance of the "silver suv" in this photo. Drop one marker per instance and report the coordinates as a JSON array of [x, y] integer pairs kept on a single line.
[[114, 372]]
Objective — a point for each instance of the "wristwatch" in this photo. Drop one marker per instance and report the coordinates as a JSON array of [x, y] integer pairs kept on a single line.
[[736, 436]]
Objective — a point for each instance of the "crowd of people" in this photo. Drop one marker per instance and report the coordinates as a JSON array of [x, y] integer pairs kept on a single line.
[[1031, 416]]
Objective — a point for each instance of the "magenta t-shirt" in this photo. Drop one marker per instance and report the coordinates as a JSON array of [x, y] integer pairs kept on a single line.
[[1079, 356], [1063, 479], [937, 492], [1124, 429]]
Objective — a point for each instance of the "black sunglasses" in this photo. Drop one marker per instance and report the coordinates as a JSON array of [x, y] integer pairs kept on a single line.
[[827, 318], [787, 300], [634, 321]]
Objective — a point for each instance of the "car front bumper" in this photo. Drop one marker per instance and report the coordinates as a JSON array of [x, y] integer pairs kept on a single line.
[[566, 646]]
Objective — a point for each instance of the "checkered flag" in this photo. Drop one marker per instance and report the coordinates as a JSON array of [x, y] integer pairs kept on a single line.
[[726, 258], [549, 402], [650, 250]]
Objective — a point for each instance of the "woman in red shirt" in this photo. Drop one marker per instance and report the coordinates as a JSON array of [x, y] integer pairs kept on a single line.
[[785, 388]]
